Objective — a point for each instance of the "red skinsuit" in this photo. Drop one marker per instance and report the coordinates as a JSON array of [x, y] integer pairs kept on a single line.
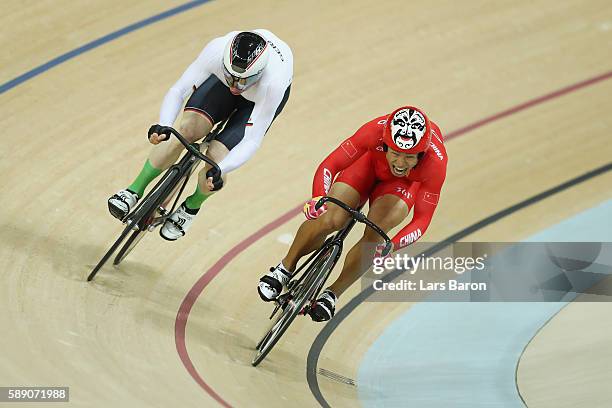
[[360, 162]]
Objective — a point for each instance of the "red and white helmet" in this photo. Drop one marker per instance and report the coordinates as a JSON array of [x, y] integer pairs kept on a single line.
[[407, 130], [244, 59]]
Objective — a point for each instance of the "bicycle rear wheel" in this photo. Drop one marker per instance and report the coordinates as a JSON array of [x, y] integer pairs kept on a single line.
[[305, 291]]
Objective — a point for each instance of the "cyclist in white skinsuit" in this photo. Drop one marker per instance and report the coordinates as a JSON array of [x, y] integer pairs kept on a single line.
[[244, 76]]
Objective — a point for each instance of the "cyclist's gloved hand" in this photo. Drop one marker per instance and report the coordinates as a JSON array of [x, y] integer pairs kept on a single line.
[[214, 180], [309, 209], [156, 136]]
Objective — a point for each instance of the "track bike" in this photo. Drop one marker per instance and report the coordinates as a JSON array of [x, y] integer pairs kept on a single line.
[[308, 280], [160, 202]]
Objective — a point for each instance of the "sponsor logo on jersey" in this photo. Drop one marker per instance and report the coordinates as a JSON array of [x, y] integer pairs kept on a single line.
[[349, 148], [327, 180], [382, 121], [410, 238], [403, 192], [431, 198], [437, 151], [280, 54]]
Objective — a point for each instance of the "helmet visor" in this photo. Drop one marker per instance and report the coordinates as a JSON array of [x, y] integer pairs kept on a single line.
[[242, 84]]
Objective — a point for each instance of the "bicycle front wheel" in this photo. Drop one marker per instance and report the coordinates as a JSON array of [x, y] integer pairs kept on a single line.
[[109, 253], [314, 278], [131, 242], [142, 211]]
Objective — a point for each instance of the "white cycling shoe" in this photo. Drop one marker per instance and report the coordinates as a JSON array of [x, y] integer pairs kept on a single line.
[[177, 224], [324, 307], [271, 284], [121, 204]]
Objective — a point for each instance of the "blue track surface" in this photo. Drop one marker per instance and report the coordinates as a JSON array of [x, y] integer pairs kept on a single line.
[[465, 354]]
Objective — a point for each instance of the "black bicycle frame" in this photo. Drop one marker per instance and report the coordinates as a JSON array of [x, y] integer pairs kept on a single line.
[[338, 238], [178, 169]]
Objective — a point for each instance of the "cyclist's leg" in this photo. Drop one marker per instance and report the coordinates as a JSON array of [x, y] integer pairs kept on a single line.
[[181, 219], [216, 151], [390, 205], [352, 186], [312, 233], [193, 126], [231, 135], [309, 237], [386, 211], [209, 104]]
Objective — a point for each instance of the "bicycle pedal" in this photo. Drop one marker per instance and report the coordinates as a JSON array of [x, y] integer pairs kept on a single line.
[[306, 309], [130, 223], [283, 300]]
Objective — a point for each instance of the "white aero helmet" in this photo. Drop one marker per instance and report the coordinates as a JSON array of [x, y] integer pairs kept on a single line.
[[244, 60]]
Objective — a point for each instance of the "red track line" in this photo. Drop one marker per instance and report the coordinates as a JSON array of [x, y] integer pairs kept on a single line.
[[196, 290], [528, 104], [198, 287]]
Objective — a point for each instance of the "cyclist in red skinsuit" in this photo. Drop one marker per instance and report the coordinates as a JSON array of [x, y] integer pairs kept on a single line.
[[370, 174], [397, 162]]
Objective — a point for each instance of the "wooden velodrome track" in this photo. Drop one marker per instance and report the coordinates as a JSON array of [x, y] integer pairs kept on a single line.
[[76, 133]]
